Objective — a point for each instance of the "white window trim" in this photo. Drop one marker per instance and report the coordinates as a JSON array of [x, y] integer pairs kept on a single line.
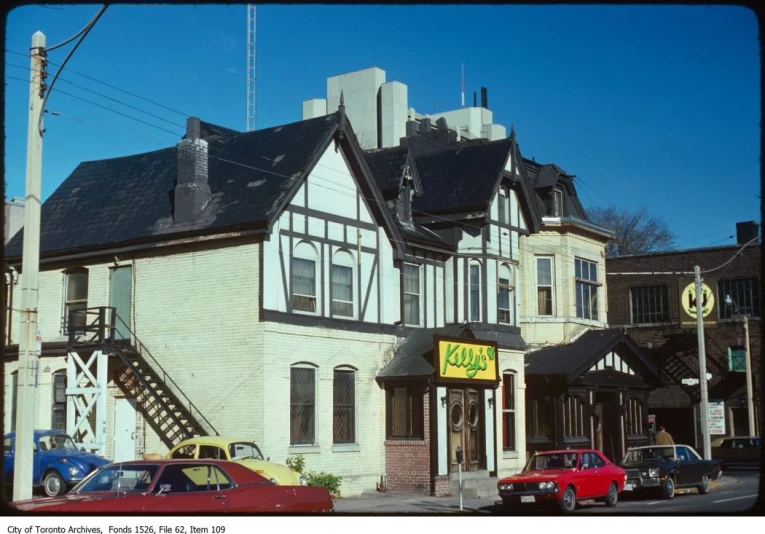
[[419, 295], [347, 447], [557, 193], [597, 284], [297, 253], [65, 296], [471, 264], [514, 411], [348, 261], [307, 448], [537, 285], [511, 288]]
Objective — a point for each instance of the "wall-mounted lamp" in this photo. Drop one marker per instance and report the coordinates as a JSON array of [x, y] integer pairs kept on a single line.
[[491, 402], [443, 401]]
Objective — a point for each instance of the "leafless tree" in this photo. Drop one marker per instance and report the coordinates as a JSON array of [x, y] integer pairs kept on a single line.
[[636, 232]]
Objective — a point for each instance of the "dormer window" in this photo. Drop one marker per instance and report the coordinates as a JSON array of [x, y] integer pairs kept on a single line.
[[405, 198], [557, 207]]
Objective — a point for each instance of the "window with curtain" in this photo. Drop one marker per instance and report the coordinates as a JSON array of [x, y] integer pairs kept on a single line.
[[58, 409], [502, 207], [344, 406], [302, 406], [411, 294], [544, 286], [342, 291], [475, 292], [76, 297], [586, 289], [505, 295], [405, 412], [304, 284], [508, 412]]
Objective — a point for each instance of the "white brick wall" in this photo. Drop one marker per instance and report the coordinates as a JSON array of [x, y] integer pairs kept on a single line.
[[510, 462]]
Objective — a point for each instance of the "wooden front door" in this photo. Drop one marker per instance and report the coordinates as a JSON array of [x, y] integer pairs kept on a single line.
[[466, 429]]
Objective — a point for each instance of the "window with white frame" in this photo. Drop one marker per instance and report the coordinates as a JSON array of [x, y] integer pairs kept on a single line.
[[342, 284], [475, 291], [58, 408], [508, 412], [506, 295], [411, 277], [649, 305], [586, 289], [557, 207], [302, 405], [75, 297], [344, 406], [502, 206], [545, 285], [304, 278]]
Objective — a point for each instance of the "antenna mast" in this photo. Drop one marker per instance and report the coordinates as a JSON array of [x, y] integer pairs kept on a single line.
[[251, 67], [463, 85]]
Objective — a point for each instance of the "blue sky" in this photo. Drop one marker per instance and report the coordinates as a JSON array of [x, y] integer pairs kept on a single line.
[[647, 105]]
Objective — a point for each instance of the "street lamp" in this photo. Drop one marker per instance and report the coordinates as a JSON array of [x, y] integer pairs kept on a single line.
[[749, 393]]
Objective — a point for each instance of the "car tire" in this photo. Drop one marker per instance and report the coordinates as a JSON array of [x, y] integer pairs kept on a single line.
[[567, 502], [613, 495], [668, 489], [704, 486], [53, 485]]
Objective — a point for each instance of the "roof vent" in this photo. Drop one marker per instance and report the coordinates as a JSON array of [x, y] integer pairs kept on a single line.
[[441, 125], [425, 126]]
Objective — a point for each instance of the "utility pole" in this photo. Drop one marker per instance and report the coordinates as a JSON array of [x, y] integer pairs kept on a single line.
[[29, 356], [702, 365], [749, 392]]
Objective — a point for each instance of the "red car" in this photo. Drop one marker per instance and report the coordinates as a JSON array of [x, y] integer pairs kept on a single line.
[[186, 486], [561, 478]]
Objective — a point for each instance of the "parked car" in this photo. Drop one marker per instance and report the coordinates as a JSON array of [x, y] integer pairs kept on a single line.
[[738, 451], [243, 451], [57, 462], [561, 478], [181, 486], [664, 468]]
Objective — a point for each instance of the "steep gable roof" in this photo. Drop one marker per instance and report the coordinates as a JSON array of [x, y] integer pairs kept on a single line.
[[131, 198]]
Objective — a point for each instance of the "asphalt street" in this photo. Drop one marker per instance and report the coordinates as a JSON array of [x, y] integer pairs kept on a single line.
[[736, 492]]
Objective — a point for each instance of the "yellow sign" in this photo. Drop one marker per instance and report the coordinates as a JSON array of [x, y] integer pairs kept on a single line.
[[691, 308], [467, 361]]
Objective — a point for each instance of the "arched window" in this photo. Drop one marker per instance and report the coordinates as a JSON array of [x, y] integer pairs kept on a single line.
[[344, 405], [342, 284], [58, 407], [303, 404], [475, 290], [304, 277], [75, 297], [506, 294]]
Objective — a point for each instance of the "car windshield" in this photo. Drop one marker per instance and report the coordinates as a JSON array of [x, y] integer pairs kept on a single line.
[[127, 479], [552, 461], [244, 449], [57, 442], [650, 453]]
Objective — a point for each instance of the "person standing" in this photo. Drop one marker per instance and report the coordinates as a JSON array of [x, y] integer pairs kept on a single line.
[[663, 437]]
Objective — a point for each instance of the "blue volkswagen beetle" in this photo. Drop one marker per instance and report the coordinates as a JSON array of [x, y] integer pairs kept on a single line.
[[58, 464]]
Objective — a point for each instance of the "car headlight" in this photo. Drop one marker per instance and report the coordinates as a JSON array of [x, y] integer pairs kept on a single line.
[[73, 470], [303, 481], [653, 473], [546, 485], [503, 487]]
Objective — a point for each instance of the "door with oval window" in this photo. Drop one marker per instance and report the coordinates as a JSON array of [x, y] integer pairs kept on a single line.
[[465, 429]]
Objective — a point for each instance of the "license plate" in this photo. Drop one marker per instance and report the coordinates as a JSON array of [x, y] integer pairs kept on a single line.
[[628, 487], [527, 498]]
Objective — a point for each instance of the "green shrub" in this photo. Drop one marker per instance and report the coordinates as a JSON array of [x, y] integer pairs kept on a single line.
[[320, 479]]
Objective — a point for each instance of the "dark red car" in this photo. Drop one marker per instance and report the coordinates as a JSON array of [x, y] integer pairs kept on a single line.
[[561, 478], [185, 486]]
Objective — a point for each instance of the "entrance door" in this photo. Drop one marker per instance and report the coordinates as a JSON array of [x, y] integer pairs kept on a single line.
[[466, 428], [608, 438], [120, 297], [124, 430]]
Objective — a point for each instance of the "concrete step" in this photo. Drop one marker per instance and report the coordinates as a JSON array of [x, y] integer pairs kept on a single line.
[[475, 485]]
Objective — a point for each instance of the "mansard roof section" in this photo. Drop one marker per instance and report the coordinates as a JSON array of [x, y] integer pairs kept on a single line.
[[545, 177]]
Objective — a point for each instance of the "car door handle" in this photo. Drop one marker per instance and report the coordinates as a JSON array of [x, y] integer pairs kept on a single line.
[[220, 496]]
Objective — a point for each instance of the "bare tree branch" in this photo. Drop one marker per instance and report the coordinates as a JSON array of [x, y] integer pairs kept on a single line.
[[637, 232]]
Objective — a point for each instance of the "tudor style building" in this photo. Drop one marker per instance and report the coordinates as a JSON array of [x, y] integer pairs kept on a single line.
[[285, 285]]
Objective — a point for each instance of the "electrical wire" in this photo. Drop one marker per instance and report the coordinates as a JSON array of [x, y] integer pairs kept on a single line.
[[83, 33], [75, 36]]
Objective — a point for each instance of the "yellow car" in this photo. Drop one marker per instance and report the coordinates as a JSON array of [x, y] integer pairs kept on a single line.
[[238, 450]]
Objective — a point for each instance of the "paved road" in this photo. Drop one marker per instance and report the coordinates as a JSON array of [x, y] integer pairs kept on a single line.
[[728, 499]]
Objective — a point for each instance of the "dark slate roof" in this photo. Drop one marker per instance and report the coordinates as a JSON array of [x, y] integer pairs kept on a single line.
[[129, 198], [209, 129], [408, 360], [579, 355], [504, 339], [460, 177], [387, 166]]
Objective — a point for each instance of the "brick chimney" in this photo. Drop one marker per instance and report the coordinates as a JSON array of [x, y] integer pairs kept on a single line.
[[192, 193], [746, 231]]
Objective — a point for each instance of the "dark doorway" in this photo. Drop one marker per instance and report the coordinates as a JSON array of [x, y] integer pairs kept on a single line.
[[608, 436]]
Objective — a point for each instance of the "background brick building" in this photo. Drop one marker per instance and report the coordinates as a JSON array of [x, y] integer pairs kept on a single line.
[[648, 307]]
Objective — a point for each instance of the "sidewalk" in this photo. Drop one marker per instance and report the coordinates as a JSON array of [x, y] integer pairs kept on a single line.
[[410, 503]]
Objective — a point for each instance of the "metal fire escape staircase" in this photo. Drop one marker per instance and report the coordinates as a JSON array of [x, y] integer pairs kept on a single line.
[[172, 415]]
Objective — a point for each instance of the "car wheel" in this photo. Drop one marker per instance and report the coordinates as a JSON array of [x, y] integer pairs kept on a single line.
[[53, 485], [704, 486], [613, 495], [567, 502], [668, 489]]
